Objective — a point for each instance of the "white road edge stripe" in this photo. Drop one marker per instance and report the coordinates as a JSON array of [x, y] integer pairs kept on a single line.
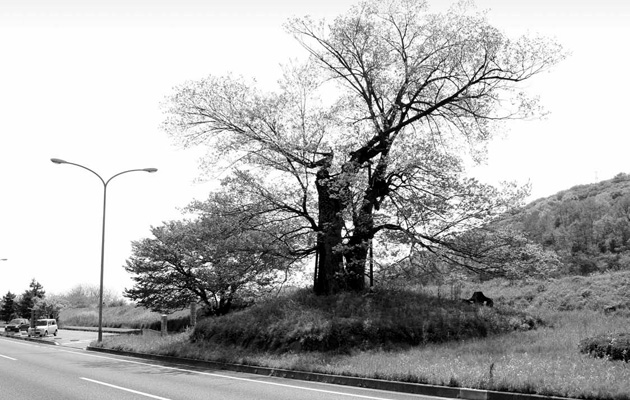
[[125, 389], [10, 358], [84, 353], [253, 380]]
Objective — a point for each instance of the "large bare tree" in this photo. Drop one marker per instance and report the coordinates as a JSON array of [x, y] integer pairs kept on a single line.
[[369, 137]]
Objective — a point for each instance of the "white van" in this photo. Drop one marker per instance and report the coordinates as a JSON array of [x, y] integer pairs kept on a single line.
[[44, 327]]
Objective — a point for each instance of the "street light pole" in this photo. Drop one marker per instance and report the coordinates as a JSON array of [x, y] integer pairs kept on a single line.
[[104, 182]]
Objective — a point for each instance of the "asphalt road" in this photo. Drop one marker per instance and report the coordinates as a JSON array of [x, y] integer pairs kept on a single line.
[[31, 370], [64, 337]]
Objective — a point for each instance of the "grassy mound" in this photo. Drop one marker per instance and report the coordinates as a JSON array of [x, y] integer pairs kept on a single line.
[[385, 319]]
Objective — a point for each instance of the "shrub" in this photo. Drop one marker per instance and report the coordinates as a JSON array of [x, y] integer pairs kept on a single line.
[[613, 346]]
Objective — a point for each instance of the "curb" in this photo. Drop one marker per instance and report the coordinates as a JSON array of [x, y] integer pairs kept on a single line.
[[369, 383], [30, 339], [104, 330]]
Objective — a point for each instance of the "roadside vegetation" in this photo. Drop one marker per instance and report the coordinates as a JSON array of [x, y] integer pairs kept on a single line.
[[125, 316], [498, 354]]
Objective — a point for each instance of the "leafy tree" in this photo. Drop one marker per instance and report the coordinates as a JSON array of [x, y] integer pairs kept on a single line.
[[27, 301], [9, 307], [216, 261], [367, 140], [47, 307]]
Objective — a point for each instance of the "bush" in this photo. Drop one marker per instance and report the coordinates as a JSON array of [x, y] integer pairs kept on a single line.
[[613, 346]]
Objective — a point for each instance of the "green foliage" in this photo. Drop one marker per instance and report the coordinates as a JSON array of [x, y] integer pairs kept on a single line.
[[217, 259], [47, 308], [9, 307], [339, 323], [27, 301], [612, 346], [588, 226]]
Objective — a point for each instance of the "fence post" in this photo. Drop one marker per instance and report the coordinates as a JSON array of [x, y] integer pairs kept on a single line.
[[164, 331], [193, 313]]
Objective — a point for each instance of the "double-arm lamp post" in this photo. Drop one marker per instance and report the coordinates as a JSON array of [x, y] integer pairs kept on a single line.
[[105, 182]]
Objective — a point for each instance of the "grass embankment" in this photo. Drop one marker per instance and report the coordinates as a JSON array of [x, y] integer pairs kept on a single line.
[[544, 361], [345, 322], [128, 316], [594, 292]]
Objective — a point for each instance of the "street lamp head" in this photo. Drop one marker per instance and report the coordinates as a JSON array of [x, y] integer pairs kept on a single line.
[[150, 170], [58, 161]]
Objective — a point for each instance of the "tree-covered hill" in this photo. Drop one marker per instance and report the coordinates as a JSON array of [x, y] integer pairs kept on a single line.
[[587, 225]]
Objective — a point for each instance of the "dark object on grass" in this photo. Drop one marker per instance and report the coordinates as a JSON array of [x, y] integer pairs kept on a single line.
[[479, 298], [612, 346], [610, 309]]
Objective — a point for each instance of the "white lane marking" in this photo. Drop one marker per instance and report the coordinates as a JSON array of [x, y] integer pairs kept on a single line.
[[10, 358], [247, 379], [125, 389], [77, 341]]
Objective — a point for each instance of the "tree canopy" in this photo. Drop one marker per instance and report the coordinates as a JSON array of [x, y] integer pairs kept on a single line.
[[9, 307], [214, 259], [368, 139], [29, 297]]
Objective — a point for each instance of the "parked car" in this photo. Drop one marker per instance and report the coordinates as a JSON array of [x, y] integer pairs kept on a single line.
[[43, 327], [17, 324]]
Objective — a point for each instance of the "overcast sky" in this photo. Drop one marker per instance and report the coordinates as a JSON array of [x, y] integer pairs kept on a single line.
[[82, 80]]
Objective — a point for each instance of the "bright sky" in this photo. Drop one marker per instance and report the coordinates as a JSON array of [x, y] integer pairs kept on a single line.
[[82, 81]]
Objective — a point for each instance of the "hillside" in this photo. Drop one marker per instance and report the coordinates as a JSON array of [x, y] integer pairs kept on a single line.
[[604, 293], [588, 226]]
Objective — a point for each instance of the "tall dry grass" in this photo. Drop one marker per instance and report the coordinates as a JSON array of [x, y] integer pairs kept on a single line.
[[127, 316], [544, 361]]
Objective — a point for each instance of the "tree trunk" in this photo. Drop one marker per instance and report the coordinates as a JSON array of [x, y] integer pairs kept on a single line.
[[224, 306], [358, 247], [357, 250], [356, 257], [330, 260]]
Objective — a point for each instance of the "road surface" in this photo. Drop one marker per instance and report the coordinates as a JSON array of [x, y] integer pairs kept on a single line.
[[65, 337], [30, 370]]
